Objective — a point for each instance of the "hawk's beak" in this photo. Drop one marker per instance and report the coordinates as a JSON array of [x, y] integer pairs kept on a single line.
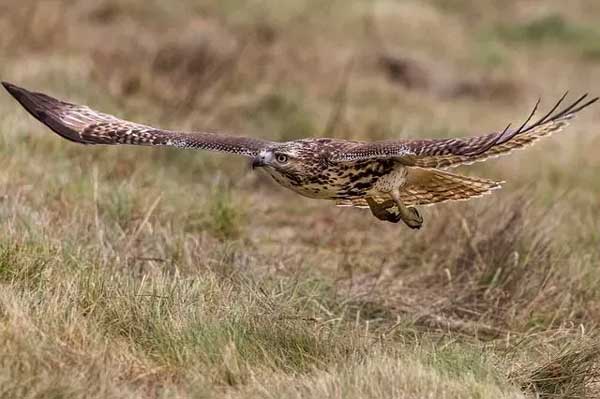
[[258, 161]]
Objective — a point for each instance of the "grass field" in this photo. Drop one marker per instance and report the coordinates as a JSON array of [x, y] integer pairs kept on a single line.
[[152, 273]]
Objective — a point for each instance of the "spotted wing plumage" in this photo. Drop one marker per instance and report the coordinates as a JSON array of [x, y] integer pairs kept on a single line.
[[444, 153], [83, 125]]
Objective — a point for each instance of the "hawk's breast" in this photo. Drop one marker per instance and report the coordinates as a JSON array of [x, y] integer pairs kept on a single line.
[[346, 180], [320, 177]]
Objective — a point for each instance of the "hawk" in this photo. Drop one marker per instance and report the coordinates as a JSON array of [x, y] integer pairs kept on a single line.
[[390, 177]]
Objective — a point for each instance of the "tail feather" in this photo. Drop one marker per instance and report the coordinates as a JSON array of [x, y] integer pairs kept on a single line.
[[431, 186]]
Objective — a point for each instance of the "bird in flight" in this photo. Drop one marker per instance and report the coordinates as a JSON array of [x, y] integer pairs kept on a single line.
[[390, 177]]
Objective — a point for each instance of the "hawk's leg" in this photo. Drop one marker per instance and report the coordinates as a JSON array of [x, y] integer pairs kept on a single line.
[[381, 211], [409, 215]]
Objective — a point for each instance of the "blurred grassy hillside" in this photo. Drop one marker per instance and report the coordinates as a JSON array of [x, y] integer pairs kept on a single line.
[[154, 273]]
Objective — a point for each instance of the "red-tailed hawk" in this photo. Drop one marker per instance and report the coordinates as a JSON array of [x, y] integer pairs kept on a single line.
[[389, 177]]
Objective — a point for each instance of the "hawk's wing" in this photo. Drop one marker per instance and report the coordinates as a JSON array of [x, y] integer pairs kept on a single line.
[[442, 153], [83, 125]]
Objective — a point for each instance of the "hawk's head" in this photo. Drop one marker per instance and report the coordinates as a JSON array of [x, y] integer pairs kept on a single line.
[[292, 162]]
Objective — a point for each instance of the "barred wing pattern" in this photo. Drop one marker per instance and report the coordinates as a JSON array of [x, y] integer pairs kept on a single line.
[[83, 125], [444, 153]]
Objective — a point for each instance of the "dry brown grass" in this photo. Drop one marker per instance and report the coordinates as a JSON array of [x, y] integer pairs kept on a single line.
[[134, 272]]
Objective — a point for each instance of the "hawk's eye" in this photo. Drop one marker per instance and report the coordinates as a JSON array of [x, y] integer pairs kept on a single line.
[[281, 158]]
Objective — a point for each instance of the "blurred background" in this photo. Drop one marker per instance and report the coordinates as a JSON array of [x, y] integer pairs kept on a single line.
[[520, 263], [366, 70]]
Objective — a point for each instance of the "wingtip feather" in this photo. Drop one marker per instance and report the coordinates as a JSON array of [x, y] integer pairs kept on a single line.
[[36, 104], [8, 86], [15, 91], [24, 97], [12, 89]]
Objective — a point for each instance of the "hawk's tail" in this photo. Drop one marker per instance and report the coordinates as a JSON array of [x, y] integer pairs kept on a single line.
[[431, 186]]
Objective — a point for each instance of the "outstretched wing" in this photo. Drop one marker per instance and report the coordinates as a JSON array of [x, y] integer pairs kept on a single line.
[[443, 153], [83, 125]]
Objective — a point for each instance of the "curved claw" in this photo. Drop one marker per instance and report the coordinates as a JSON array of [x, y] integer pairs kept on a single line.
[[414, 220], [382, 212], [392, 217]]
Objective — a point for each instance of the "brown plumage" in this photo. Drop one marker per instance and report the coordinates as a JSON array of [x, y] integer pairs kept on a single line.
[[432, 186], [390, 177]]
